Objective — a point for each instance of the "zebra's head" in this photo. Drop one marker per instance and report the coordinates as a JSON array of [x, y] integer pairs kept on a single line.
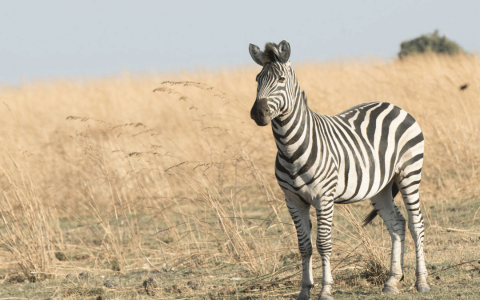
[[276, 82]]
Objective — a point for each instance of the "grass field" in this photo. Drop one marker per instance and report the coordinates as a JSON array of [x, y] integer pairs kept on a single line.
[[111, 190]]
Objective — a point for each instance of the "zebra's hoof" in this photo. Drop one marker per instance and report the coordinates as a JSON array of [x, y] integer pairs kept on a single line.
[[304, 295], [423, 288], [389, 290]]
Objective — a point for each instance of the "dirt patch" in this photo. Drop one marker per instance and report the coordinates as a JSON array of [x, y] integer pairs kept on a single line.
[[80, 291]]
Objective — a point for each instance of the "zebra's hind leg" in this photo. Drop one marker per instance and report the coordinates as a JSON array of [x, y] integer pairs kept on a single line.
[[408, 186], [299, 212], [385, 206]]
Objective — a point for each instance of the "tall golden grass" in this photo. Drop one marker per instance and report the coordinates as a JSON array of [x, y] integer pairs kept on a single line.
[[180, 176]]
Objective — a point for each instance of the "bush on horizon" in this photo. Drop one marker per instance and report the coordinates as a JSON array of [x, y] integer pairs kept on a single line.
[[429, 43]]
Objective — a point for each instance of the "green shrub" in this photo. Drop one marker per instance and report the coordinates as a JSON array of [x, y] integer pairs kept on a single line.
[[429, 43]]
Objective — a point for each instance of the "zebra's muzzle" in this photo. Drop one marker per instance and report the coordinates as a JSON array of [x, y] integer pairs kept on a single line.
[[260, 112]]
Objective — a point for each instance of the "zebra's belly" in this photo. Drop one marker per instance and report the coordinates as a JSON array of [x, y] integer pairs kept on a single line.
[[358, 198], [362, 185]]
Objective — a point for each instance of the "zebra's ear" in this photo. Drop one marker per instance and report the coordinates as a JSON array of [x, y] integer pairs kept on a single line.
[[284, 51], [256, 54]]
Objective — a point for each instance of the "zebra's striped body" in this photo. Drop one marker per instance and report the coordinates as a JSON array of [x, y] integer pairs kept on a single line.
[[345, 155], [365, 152]]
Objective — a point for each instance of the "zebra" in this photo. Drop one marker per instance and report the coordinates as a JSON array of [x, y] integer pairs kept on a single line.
[[370, 151]]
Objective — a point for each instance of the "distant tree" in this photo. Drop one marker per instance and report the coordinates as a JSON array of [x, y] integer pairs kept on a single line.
[[429, 43]]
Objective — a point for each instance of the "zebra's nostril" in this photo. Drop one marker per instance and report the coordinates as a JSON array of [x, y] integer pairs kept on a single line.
[[260, 109]]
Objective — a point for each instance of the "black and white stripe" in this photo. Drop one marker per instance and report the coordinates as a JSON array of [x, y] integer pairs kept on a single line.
[[370, 151]]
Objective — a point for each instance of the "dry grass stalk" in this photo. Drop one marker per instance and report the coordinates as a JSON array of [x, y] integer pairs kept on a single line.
[[29, 227]]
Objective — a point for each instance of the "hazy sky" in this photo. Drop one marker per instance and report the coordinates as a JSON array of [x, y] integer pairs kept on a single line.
[[77, 39]]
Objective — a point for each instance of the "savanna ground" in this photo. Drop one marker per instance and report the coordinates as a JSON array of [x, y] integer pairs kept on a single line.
[[113, 191]]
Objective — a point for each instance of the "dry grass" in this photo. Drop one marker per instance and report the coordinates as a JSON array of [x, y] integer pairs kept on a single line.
[[117, 177]]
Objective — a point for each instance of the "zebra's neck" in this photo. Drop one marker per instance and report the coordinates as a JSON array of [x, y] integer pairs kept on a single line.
[[292, 132]]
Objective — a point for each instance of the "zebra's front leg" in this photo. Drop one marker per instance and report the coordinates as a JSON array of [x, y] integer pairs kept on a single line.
[[324, 245], [301, 217]]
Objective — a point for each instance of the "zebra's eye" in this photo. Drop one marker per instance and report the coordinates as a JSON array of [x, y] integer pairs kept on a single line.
[[281, 79]]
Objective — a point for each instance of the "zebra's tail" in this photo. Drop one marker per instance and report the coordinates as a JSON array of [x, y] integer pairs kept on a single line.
[[369, 218]]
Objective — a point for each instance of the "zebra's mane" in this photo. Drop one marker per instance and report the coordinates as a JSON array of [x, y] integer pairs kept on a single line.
[[304, 97], [270, 54]]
